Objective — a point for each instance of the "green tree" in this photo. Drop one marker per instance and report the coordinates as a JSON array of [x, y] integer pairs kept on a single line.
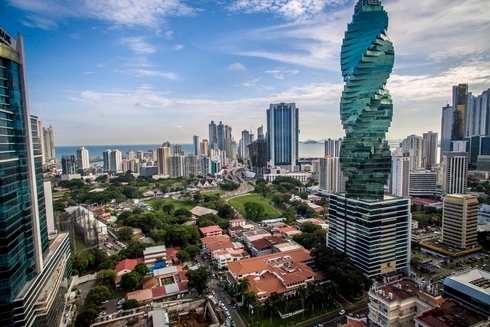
[[303, 293], [79, 263], [168, 208], [226, 211], [142, 269], [243, 285], [130, 304], [192, 250], [183, 256], [199, 278], [125, 233], [158, 235], [96, 295], [131, 280], [134, 249], [106, 276], [254, 211], [86, 318]]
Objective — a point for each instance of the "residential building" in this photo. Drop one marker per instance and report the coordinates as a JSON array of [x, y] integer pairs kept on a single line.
[[332, 147], [204, 148], [35, 272], [125, 266], [460, 101], [213, 135], [400, 172], [115, 161], [330, 177], [237, 222], [163, 160], [83, 160], [283, 135], [265, 245], [48, 149], [447, 118], [68, 164], [191, 166], [454, 170], [176, 166], [245, 141], [413, 146], [429, 149], [460, 220], [256, 234], [221, 258], [195, 141], [210, 231], [257, 155], [260, 133], [106, 157], [478, 114], [397, 303], [281, 273], [470, 288]]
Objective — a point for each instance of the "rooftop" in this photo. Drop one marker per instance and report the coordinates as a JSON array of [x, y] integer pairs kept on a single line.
[[450, 314], [127, 264], [155, 249], [201, 211], [475, 283], [210, 229]]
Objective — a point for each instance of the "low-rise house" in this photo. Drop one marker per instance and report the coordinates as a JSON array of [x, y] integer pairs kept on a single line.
[[237, 222], [210, 231], [125, 266], [281, 273], [265, 245], [450, 314], [154, 254]]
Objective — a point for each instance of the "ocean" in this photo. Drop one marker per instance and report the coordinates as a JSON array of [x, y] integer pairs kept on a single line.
[[95, 151]]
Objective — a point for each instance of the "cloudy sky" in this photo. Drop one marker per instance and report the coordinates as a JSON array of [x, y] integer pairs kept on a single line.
[[147, 71]]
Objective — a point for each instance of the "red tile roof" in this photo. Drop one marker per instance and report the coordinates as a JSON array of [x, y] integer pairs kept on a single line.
[[128, 264], [210, 229]]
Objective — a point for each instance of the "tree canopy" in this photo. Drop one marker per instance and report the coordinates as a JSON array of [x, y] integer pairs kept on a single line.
[[199, 278]]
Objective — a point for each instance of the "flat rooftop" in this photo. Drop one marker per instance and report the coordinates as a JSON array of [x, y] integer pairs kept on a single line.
[[450, 314]]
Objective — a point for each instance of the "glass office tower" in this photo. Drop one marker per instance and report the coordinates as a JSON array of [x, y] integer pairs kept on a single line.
[[366, 109], [372, 228], [283, 134], [29, 262]]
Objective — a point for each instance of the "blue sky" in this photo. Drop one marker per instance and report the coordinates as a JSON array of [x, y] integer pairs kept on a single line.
[[147, 71]]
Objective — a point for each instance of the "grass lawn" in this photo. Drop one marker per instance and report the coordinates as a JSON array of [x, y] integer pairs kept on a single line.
[[238, 203], [177, 203]]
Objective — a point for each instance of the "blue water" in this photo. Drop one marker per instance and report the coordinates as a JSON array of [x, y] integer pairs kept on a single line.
[[94, 151]]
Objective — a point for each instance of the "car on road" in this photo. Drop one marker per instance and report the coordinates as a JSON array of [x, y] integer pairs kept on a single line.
[[342, 312]]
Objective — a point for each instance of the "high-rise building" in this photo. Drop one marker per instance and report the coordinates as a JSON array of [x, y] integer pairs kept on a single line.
[[454, 172], [220, 135], [178, 150], [30, 261], [372, 228], [260, 133], [130, 155], [330, 177], [176, 166], [48, 144], [460, 220], [400, 173], [460, 100], [429, 149], [195, 140], [283, 135], [446, 128], [106, 159], [245, 141], [204, 165], [413, 146], [163, 159], [191, 166], [115, 161], [83, 161], [258, 156], [204, 148], [332, 147], [213, 134], [478, 114], [68, 164]]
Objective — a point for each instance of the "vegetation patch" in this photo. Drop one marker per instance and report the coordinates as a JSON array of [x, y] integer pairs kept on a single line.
[[239, 204]]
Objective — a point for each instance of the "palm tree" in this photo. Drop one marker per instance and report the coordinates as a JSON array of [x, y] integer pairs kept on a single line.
[[269, 307], [303, 292], [279, 301], [330, 289]]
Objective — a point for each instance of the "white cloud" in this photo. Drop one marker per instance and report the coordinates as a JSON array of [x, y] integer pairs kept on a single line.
[[150, 13], [178, 47], [138, 45], [87, 73], [36, 21], [236, 66], [250, 83], [147, 73], [279, 73]]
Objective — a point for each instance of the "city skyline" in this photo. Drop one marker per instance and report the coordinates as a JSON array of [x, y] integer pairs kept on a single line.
[[174, 68]]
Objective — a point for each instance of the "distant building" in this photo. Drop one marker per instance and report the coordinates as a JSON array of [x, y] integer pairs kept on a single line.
[[85, 223], [83, 160], [429, 149], [283, 135], [163, 159], [423, 183], [49, 151], [330, 177], [400, 172], [332, 147], [455, 170], [195, 141], [68, 164]]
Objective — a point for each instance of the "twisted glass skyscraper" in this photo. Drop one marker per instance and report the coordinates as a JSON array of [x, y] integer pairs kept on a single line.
[[371, 227], [366, 109]]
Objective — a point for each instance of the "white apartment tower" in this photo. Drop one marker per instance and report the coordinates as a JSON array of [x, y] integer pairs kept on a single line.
[[332, 147], [400, 173], [331, 178], [48, 143], [83, 161], [413, 144], [429, 149], [116, 161], [454, 172]]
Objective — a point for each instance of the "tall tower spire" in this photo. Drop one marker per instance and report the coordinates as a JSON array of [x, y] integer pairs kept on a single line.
[[366, 109]]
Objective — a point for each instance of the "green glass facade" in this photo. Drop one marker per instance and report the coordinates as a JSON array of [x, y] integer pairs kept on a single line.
[[366, 108]]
